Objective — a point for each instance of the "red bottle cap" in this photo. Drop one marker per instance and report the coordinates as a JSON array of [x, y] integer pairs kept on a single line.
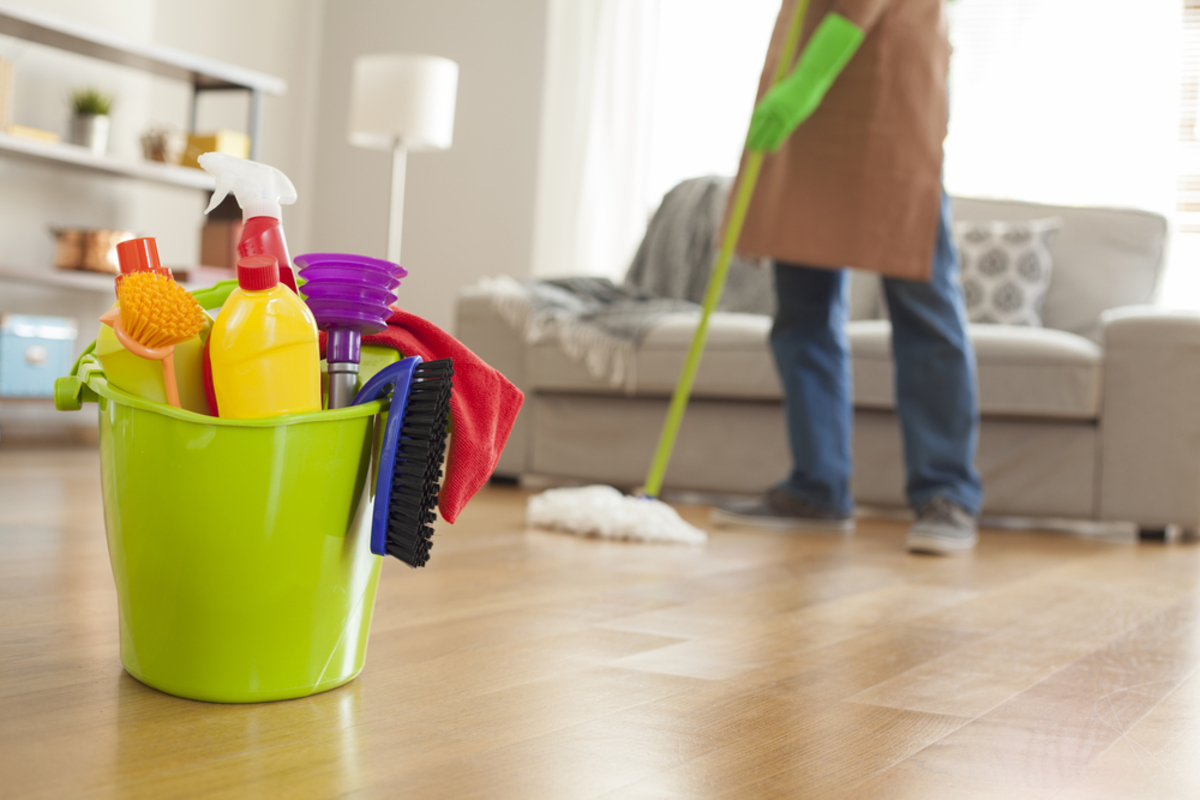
[[138, 255], [256, 273]]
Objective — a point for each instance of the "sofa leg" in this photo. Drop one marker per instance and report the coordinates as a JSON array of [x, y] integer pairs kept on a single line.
[[1167, 533], [1153, 534]]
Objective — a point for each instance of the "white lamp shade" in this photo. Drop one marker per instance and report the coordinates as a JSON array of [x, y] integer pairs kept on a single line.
[[403, 99]]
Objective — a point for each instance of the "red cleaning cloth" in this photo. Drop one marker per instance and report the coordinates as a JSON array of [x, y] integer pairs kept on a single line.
[[483, 405]]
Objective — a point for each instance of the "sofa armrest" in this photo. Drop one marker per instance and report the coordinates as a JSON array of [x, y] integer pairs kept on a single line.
[[1150, 417], [479, 326]]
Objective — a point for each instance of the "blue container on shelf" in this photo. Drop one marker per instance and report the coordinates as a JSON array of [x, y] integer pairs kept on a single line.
[[33, 352]]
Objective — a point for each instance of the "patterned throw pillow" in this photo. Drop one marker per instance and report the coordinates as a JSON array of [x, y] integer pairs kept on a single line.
[[1006, 269]]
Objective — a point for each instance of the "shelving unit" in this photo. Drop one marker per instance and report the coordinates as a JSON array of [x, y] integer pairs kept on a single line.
[[201, 74], [75, 157], [204, 74], [79, 281], [68, 279]]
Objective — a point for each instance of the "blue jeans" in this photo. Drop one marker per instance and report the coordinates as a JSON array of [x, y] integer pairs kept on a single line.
[[935, 381]]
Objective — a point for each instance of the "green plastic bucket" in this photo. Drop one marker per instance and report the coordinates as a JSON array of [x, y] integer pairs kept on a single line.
[[239, 548]]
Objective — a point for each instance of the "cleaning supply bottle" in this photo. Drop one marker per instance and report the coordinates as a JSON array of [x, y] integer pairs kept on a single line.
[[264, 351], [260, 191]]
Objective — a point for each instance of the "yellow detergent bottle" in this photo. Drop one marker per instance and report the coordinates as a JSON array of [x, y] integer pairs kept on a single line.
[[263, 347]]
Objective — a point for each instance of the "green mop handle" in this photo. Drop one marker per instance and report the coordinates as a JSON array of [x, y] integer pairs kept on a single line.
[[716, 280]]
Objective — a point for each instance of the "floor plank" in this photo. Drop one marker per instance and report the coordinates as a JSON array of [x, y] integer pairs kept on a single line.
[[530, 664]]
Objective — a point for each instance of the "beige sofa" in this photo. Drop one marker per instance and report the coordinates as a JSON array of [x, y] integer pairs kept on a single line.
[[1094, 417]]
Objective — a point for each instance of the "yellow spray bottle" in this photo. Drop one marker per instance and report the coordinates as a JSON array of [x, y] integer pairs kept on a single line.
[[263, 347]]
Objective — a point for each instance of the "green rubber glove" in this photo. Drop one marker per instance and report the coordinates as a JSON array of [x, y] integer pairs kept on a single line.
[[794, 100]]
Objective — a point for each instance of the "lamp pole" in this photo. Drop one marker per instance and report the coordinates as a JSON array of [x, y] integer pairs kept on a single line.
[[396, 218]]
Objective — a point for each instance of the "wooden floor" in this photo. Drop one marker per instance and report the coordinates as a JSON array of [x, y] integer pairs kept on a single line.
[[524, 664]]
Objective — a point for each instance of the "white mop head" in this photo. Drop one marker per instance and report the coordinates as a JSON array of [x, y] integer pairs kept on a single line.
[[604, 512]]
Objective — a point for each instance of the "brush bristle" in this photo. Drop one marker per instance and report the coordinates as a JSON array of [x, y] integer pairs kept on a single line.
[[419, 458], [156, 311]]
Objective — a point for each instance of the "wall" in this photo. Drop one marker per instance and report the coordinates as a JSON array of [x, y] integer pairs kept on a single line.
[[469, 210]]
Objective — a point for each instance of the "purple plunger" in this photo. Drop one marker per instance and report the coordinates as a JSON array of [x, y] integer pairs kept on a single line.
[[349, 296]]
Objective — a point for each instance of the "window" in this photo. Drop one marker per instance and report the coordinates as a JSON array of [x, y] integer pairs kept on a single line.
[[1074, 102]]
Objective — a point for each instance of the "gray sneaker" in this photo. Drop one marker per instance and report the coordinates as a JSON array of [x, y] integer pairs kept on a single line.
[[942, 528], [777, 510]]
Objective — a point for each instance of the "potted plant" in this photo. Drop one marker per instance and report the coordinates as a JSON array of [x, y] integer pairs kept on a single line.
[[89, 119]]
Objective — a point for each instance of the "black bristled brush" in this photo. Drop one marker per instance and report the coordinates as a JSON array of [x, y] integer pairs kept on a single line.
[[410, 460]]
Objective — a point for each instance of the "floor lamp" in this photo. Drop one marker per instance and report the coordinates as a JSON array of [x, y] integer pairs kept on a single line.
[[402, 103]]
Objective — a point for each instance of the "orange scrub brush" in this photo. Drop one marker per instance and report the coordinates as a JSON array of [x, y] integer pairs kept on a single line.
[[153, 314]]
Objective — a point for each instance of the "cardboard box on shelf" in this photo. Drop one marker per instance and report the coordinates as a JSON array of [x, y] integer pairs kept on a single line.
[[231, 142], [218, 242]]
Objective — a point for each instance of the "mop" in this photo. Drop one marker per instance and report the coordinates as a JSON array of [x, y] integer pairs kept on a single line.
[[603, 511]]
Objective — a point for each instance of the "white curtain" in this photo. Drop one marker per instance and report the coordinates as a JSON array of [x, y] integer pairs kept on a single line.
[[596, 117], [639, 95], [710, 55]]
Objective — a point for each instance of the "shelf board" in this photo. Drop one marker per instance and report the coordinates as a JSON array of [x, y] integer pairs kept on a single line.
[[64, 34], [82, 158], [62, 279], [72, 279]]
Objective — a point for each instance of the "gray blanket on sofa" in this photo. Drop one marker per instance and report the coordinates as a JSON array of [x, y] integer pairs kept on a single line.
[[621, 311], [592, 319], [601, 324], [679, 249]]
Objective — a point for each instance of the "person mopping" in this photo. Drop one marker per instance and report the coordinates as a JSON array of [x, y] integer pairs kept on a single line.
[[852, 177], [858, 184]]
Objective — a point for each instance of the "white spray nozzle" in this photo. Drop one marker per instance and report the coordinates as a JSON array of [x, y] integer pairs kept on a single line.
[[259, 189]]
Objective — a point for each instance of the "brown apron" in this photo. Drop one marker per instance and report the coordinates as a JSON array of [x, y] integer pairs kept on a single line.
[[859, 183]]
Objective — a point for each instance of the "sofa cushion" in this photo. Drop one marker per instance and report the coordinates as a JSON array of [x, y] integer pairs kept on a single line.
[[1006, 269], [1103, 257], [737, 363], [1023, 372]]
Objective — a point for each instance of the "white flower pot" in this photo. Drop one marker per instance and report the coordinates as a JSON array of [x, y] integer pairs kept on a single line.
[[90, 131]]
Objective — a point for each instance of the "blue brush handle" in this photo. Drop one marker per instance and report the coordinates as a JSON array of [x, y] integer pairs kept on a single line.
[[396, 380]]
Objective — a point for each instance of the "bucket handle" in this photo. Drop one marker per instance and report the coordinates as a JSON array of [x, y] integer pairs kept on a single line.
[[72, 391]]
